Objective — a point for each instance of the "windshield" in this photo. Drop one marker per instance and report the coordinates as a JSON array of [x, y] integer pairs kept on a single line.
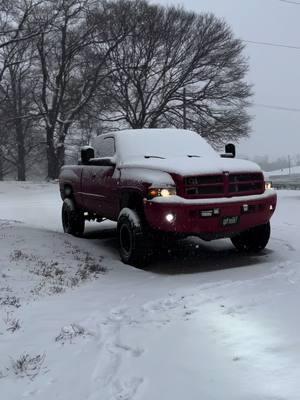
[[162, 143]]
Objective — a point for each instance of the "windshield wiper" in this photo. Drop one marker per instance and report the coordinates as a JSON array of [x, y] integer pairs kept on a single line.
[[162, 158], [193, 155]]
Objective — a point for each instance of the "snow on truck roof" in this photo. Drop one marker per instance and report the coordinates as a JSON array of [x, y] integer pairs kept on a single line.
[[174, 150], [162, 143]]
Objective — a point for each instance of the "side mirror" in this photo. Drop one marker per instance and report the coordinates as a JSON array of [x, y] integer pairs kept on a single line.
[[230, 151], [87, 153]]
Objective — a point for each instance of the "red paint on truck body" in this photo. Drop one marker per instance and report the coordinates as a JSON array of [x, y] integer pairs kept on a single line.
[[188, 219], [102, 191]]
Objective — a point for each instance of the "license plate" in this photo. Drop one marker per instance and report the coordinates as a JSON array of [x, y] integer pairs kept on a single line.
[[228, 221]]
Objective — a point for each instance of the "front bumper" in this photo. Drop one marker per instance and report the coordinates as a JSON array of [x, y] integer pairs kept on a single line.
[[188, 217]]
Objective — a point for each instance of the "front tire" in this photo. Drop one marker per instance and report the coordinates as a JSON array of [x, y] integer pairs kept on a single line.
[[254, 240], [72, 218], [133, 242]]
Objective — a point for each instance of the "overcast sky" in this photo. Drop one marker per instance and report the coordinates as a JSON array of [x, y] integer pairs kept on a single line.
[[275, 72]]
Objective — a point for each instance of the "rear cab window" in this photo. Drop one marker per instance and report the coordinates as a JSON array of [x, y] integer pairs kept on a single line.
[[105, 146]]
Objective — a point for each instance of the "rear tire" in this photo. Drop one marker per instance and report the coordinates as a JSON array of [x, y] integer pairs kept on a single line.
[[134, 244], [254, 240], [72, 218]]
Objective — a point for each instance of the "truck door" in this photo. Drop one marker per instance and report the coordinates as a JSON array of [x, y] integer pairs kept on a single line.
[[100, 183], [105, 185]]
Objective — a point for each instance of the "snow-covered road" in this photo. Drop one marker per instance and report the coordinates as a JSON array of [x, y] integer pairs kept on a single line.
[[204, 323]]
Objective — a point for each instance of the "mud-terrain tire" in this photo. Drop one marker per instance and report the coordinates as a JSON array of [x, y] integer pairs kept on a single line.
[[254, 240], [134, 244], [72, 218]]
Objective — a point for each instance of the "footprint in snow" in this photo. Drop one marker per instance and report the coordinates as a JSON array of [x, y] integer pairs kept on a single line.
[[135, 352], [126, 390]]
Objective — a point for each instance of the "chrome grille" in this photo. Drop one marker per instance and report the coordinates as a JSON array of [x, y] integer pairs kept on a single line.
[[223, 185], [203, 186], [240, 184]]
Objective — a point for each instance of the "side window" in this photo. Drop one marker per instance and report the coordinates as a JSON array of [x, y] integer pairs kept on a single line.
[[105, 147]]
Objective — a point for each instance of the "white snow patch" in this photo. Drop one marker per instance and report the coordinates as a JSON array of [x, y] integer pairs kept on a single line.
[[205, 323], [162, 143], [157, 178], [173, 150], [295, 170], [133, 216], [186, 166]]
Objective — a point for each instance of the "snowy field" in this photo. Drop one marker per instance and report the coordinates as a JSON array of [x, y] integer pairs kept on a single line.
[[285, 171], [205, 323]]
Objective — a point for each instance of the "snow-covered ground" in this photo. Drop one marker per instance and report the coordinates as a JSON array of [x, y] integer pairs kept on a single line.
[[204, 323]]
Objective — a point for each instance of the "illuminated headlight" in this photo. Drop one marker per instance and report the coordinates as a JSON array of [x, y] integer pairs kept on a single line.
[[170, 217], [161, 192], [268, 185], [165, 193]]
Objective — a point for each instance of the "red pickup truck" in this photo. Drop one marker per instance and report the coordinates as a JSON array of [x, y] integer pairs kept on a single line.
[[166, 183]]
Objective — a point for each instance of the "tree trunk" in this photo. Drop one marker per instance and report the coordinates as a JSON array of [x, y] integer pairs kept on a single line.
[[16, 83], [21, 135], [61, 149], [53, 169], [1, 166], [61, 155], [21, 165]]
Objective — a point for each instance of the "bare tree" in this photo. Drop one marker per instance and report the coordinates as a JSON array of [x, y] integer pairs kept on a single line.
[[16, 93], [170, 50], [72, 64], [14, 15], [21, 134], [5, 167]]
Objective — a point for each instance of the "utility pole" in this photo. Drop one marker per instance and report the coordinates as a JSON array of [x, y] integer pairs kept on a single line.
[[184, 109]]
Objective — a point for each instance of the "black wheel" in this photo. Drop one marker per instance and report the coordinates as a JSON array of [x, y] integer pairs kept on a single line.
[[134, 245], [253, 240], [72, 218]]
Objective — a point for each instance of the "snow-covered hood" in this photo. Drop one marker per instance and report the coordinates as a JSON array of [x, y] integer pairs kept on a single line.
[[185, 166]]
